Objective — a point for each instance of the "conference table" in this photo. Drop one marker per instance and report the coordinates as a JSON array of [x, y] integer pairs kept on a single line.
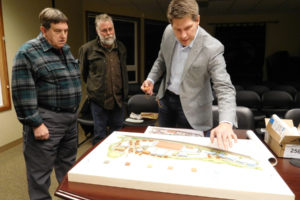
[[83, 191]]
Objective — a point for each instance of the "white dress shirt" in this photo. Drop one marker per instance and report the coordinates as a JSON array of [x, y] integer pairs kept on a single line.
[[178, 62]]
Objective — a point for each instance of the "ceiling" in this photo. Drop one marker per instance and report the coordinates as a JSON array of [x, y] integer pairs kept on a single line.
[[212, 7]]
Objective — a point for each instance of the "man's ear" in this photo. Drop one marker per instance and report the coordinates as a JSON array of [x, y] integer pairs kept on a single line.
[[198, 19], [97, 31], [43, 29]]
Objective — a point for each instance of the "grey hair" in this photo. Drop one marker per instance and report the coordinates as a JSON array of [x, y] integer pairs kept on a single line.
[[102, 18]]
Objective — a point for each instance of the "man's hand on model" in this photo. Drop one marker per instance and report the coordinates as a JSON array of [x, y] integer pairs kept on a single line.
[[41, 132], [224, 134]]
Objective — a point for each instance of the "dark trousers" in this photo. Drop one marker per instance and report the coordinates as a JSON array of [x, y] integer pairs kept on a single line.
[[171, 113], [58, 152], [106, 119]]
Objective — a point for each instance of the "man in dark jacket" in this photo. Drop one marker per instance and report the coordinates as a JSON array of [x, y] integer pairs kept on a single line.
[[103, 65]]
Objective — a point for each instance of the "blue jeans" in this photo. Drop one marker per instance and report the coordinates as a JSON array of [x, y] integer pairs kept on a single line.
[[171, 113], [106, 121]]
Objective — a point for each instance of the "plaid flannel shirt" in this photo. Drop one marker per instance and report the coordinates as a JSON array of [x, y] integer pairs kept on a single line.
[[41, 77]]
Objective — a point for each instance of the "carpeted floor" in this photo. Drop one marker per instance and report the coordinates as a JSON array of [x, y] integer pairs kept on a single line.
[[13, 183]]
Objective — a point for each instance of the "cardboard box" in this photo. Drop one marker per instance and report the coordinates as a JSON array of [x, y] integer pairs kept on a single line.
[[282, 137]]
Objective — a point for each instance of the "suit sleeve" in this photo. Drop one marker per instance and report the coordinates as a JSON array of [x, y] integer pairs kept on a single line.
[[222, 86]]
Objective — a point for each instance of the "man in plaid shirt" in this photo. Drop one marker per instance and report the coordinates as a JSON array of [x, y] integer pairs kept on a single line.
[[46, 91]]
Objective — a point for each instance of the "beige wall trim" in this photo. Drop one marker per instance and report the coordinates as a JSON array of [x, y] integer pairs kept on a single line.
[[11, 145]]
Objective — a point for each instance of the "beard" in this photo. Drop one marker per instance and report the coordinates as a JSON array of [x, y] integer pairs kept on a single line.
[[108, 40]]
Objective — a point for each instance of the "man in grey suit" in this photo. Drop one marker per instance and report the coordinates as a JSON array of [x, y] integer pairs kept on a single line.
[[188, 61]]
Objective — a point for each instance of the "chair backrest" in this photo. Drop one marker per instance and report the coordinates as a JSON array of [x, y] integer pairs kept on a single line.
[[245, 118], [215, 101], [276, 102], [134, 89], [293, 114], [85, 112], [297, 100], [259, 89], [85, 118], [238, 87], [248, 99], [287, 88], [142, 103], [215, 115], [244, 115]]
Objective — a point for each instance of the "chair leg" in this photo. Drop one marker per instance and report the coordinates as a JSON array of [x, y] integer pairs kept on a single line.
[[88, 135], [86, 139]]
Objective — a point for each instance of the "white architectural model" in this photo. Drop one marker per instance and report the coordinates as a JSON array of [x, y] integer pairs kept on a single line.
[[193, 167]]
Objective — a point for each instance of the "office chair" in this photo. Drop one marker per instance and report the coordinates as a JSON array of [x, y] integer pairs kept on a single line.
[[259, 89], [85, 120], [297, 100], [134, 89], [251, 100], [215, 115], [287, 88], [276, 102], [293, 114], [245, 118], [238, 87], [248, 99], [215, 101], [142, 103]]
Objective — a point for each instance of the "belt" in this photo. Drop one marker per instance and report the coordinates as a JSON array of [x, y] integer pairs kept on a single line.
[[171, 93], [59, 109]]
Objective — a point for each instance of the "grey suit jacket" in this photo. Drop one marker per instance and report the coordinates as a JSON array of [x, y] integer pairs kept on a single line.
[[205, 64]]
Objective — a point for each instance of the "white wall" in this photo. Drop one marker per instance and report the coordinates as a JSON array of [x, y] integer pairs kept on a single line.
[[20, 19]]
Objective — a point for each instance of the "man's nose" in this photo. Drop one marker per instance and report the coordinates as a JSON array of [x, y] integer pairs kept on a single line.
[[64, 34], [183, 35], [109, 31]]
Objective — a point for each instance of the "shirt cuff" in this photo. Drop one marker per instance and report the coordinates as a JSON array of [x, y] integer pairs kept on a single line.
[[149, 79], [226, 122]]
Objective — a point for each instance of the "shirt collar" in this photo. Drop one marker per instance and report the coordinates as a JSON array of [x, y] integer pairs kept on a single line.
[[46, 45]]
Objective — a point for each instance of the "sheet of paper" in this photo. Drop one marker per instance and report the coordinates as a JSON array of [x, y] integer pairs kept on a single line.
[[173, 131]]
